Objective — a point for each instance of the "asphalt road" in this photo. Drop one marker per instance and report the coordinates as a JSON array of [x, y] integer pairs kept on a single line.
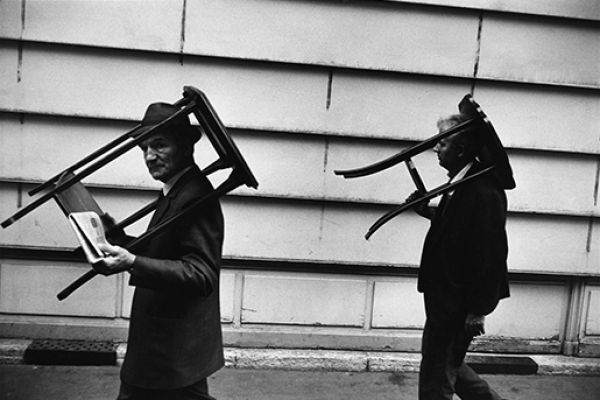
[[27, 382]]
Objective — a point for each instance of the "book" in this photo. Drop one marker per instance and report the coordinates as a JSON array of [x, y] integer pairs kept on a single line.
[[89, 230]]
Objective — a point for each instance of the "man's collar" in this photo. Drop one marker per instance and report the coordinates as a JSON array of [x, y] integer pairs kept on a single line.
[[171, 182], [461, 174]]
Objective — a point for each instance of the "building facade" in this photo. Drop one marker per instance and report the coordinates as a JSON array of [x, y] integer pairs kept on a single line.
[[305, 88]]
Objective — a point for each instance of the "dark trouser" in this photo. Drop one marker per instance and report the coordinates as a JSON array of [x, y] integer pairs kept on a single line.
[[197, 391], [443, 371]]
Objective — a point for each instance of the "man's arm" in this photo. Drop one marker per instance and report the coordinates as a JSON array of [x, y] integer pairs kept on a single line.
[[196, 269], [423, 208], [200, 240], [489, 251]]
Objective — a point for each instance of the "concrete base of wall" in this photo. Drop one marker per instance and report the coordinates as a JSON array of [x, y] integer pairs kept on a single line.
[[269, 336], [12, 351]]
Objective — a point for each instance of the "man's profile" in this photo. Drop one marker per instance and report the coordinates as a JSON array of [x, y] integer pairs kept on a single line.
[[463, 270], [175, 339]]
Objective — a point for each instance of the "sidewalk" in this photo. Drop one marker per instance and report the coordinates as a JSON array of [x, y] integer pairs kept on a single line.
[[31, 382], [12, 351]]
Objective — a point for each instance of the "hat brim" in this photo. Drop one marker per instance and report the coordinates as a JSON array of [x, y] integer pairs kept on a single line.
[[194, 132]]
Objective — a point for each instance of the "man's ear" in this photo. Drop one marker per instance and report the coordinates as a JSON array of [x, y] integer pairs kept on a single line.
[[460, 150]]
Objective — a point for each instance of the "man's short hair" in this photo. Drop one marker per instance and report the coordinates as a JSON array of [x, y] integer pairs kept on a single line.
[[471, 138]]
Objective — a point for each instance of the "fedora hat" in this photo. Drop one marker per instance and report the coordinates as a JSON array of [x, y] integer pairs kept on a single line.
[[158, 112]]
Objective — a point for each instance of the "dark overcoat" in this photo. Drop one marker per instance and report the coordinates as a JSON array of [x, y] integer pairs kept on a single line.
[[175, 331], [463, 264]]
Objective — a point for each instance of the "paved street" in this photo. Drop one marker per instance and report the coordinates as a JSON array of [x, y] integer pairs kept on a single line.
[[26, 382]]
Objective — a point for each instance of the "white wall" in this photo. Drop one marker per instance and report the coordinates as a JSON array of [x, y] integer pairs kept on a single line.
[[307, 88]]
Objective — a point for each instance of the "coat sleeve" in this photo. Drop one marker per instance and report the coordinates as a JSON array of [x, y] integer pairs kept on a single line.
[[489, 251], [196, 267]]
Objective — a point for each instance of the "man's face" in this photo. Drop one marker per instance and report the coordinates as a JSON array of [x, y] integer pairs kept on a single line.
[[164, 156], [448, 151]]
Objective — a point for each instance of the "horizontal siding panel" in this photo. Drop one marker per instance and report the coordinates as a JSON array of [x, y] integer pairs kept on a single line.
[[591, 313], [227, 284], [404, 107], [303, 300], [288, 230], [79, 86], [397, 304], [290, 99], [45, 227], [594, 245], [310, 232], [127, 293], [29, 150], [290, 166], [391, 106], [10, 19], [392, 185], [365, 35], [550, 244], [532, 311], [227, 296], [409, 38], [31, 288], [558, 192], [333, 233], [255, 96], [132, 24], [274, 159], [9, 73], [583, 9], [542, 51], [553, 183], [553, 119], [120, 24]]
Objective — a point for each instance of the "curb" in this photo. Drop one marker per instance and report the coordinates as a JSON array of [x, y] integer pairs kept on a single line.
[[22, 351]]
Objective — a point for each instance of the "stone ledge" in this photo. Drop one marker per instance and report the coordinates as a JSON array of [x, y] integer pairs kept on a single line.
[[12, 351]]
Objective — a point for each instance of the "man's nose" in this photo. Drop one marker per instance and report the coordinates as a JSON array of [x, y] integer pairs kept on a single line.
[[149, 154], [436, 148]]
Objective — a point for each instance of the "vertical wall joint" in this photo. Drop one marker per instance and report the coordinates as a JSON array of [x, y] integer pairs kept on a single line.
[[477, 54], [329, 85], [182, 37], [570, 345]]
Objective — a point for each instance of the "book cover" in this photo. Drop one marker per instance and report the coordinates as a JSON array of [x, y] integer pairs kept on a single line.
[[90, 232]]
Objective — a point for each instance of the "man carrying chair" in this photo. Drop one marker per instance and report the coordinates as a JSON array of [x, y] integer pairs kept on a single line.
[[175, 339], [463, 271]]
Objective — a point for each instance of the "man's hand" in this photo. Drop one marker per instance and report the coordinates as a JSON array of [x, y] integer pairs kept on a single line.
[[474, 324], [113, 235], [117, 259], [422, 208]]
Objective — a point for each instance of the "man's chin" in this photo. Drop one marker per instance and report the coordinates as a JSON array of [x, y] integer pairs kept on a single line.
[[157, 175]]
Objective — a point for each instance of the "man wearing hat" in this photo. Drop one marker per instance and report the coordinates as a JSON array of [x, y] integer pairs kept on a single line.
[[463, 271], [175, 339]]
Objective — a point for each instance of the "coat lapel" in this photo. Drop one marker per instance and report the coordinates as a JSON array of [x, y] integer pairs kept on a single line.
[[161, 208], [452, 202], [165, 201]]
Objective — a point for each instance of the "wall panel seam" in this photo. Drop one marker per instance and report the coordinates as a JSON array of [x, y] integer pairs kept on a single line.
[[586, 214], [307, 66], [508, 12], [477, 54], [241, 266], [308, 134]]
